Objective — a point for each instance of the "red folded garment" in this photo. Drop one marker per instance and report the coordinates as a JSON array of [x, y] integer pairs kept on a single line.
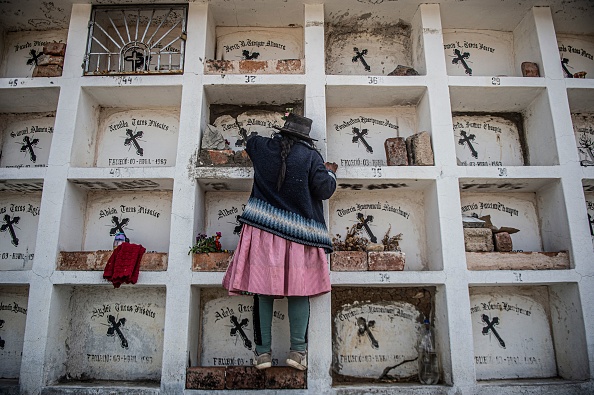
[[123, 264]]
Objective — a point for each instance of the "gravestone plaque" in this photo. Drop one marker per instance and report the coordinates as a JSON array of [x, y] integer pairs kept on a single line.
[[222, 215], [356, 136], [248, 43], [22, 51], [376, 212], [260, 122], [116, 336], [577, 56], [145, 218], [512, 333], [369, 337], [27, 142], [583, 128], [228, 331], [13, 316], [590, 209], [19, 217], [138, 138], [478, 52], [517, 210], [484, 140]]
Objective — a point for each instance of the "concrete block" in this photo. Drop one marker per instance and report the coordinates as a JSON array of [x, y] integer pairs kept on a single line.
[[96, 260], [396, 154], [273, 66], [52, 70], [245, 378], [289, 66], [517, 260], [57, 49], [478, 239], [213, 66], [386, 260], [530, 69], [284, 377], [502, 242], [211, 262], [348, 261], [220, 157], [205, 378], [46, 60], [422, 153], [252, 66]]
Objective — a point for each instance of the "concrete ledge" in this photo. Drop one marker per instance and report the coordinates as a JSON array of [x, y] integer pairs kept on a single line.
[[517, 260], [244, 377], [211, 261], [96, 260], [96, 387], [275, 66]]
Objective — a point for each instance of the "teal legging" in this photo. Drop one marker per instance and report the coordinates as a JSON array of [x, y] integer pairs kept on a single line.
[[298, 321]]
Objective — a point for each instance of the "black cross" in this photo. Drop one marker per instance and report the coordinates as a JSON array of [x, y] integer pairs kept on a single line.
[[364, 328], [359, 56], [564, 64], [490, 326], [591, 222], [115, 328], [136, 59], [237, 229], [132, 139], [2, 343], [8, 226], [2, 323], [461, 58], [467, 139], [364, 224], [358, 136], [28, 145], [119, 226], [243, 134], [247, 56], [34, 56], [238, 329]]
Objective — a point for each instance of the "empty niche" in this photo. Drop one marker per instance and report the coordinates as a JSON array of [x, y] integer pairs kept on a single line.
[[23, 52], [222, 215], [137, 138], [489, 139], [19, 218], [13, 317], [375, 332], [26, 139], [114, 336], [511, 328], [375, 213], [577, 55], [227, 330], [583, 128]]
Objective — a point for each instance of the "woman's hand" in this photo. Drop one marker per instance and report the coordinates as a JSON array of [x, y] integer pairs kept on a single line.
[[331, 166]]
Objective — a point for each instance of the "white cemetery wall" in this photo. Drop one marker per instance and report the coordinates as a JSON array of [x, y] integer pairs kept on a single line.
[[484, 140], [228, 331], [19, 217], [137, 138], [222, 212], [379, 211], [21, 50], [478, 52], [512, 333], [116, 335], [145, 218], [576, 54], [13, 317], [356, 136], [515, 210], [583, 128], [26, 142], [260, 122], [590, 209], [249, 43], [369, 337]]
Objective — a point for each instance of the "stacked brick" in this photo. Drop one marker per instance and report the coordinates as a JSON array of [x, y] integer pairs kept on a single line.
[[362, 261], [415, 150], [50, 64]]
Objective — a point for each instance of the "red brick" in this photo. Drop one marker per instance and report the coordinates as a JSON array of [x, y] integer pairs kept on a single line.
[[52, 70], [245, 377], [396, 154], [205, 378], [46, 60], [530, 69], [252, 66], [289, 66], [96, 260], [348, 261], [57, 49], [386, 260], [220, 157], [210, 261], [284, 377], [220, 66], [502, 242], [420, 145]]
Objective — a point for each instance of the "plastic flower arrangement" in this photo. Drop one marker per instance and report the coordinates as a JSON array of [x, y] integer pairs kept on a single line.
[[206, 243]]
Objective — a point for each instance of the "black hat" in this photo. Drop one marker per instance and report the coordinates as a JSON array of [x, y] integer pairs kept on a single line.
[[298, 126]]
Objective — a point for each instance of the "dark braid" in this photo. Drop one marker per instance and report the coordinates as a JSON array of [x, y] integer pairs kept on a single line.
[[286, 144]]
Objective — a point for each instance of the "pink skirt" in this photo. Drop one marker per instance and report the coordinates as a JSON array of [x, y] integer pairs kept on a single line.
[[266, 264]]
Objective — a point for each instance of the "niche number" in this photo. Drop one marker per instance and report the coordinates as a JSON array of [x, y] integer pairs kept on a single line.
[[502, 171], [14, 82], [495, 81], [384, 277], [249, 79], [377, 172]]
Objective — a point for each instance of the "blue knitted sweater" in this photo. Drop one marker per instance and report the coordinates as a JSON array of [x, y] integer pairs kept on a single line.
[[295, 212]]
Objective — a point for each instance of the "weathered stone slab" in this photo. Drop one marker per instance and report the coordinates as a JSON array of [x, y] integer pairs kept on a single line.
[[96, 260], [396, 154], [386, 260], [205, 378], [56, 49], [46, 60], [422, 153], [472, 222], [502, 242], [517, 260], [211, 262], [478, 239], [13, 317], [348, 261], [19, 221], [245, 378], [284, 377], [530, 69]]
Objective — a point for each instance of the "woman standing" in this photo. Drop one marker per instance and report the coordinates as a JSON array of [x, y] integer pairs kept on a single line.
[[284, 240]]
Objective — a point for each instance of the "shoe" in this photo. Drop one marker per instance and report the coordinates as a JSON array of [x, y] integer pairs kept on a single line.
[[263, 361], [297, 360]]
